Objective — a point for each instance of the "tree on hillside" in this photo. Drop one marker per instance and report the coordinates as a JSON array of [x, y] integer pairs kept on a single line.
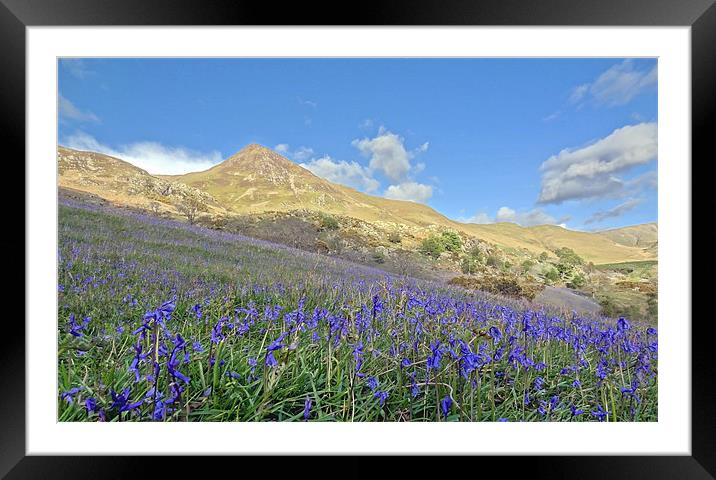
[[568, 256], [451, 240], [469, 265], [190, 208], [432, 246]]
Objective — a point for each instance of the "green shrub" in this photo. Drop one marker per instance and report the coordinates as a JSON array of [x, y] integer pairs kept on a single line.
[[329, 222], [476, 254], [451, 240], [469, 265], [527, 265], [432, 247], [378, 256], [577, 281], [568, 256], [493, 261], [551, 275]]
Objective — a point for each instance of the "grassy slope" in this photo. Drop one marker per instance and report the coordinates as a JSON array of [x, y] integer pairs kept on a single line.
[[108, 262], [257, 179]]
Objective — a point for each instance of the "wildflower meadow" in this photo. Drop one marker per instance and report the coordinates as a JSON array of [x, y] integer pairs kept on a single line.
[[162, 321]]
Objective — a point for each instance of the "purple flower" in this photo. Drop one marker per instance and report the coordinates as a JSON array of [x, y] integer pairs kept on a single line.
[[91, 405], [575, 411], [381, 396], [307, 408], [445, 405], [600, 413], [69, 395], [495, 334], [372, 383], [623, 324], [121, 401]]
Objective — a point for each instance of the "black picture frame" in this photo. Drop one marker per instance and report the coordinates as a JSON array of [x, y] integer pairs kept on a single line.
[[16, 15]]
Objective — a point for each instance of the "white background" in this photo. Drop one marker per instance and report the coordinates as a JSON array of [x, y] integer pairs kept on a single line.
[[671, 434]]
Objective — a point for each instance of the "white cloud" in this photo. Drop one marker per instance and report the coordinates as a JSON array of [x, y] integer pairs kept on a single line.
[[578, 93], [300, 154], [387, 154], [366, 124], [479, 218], [412, 191], [308, 103], [551, 116], [615, 212], [76, 67], [68, 110], [528, 218], [153, 157], [282, 148], [351, 174], [591, 171], [423, 148], [616, 86]]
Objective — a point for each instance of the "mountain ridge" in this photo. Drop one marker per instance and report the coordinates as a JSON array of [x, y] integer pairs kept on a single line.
[[257, 179]]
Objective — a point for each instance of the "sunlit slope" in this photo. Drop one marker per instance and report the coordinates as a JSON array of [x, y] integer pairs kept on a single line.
[[123, 183], [644, 235], [258, 179], [592, 247]]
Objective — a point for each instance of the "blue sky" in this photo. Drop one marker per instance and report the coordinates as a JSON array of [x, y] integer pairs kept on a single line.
[[563, 141]]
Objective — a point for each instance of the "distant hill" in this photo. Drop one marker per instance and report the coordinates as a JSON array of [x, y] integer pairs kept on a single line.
[[121, 182], [592, 247], [645, 235], [258, 179]]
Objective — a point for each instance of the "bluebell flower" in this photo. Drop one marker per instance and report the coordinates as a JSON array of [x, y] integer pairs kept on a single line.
[[445, 405], [575, 411], [381, 396], [495, 334], [404, 363], [121, 401], [69, 395], [307, 408], [623, 324], [372, 383], [600, 413], [91, 405], [503, 419]]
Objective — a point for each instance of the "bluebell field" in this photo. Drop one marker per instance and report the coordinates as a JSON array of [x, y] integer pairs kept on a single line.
[[161, 321]]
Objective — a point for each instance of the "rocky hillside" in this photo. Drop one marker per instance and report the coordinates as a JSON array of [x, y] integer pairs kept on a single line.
[[644, 236], [120, 182], [257, 180]]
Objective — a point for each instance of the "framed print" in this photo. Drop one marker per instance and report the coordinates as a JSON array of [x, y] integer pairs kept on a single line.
[[423, 231]]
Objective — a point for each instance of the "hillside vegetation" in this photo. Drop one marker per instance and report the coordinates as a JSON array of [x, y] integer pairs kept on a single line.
[[164, 321]]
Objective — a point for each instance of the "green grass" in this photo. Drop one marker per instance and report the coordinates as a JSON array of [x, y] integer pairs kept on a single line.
[[114, 268]]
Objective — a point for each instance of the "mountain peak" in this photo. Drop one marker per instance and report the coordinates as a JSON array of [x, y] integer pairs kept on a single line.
[[255, 147], [255, 155]]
